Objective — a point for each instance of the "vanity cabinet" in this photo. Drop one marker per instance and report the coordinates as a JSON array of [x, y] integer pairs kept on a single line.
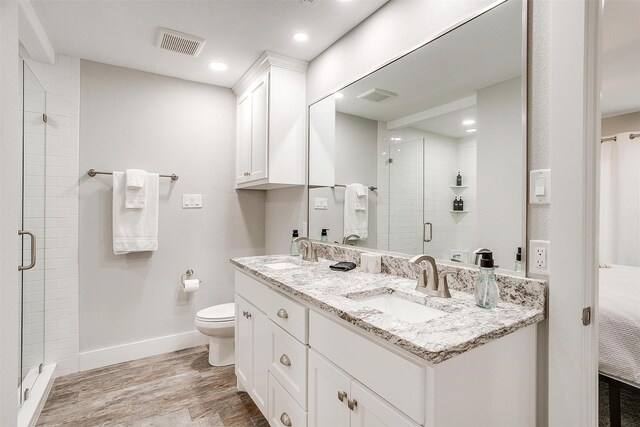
[[270, 123], [304, 366], [337, 399], [252, 352]]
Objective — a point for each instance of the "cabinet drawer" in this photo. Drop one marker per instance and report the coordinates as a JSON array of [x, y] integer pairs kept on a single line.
[[290, 316], [289, 364], [399, 381], [283, 409], [286, 313]]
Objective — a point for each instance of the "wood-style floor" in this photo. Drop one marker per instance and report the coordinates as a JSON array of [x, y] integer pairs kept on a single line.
[[178, 389]]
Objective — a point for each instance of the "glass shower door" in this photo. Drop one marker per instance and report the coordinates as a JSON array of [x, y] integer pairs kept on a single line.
[[407, 229], [32, 230]]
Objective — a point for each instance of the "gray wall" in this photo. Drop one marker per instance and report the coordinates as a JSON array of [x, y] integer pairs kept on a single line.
[[132, 119]]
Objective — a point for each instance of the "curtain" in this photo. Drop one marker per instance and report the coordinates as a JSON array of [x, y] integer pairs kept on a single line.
[[620, 201]]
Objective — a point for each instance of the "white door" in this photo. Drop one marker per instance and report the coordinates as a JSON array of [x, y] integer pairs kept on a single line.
[[370, 410], [244, 340], [243, 143], [261, 360], [259, 128], [328, 393]]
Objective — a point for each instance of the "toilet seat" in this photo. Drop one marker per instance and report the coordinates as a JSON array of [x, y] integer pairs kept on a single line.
[[217, 313]]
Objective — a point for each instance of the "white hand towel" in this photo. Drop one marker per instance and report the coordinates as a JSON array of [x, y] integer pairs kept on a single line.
[[356, 212], [136, 189], [135, 230]]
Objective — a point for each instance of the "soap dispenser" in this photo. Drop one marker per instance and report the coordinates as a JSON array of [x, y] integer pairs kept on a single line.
[[294, 249], [518, 266], [487, 293], [459, 180], [323, 235]]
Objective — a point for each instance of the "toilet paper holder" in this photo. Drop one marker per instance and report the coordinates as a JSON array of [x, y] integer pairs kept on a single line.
[[187, 276]]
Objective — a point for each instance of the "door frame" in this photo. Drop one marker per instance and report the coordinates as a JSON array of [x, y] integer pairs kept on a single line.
[[574, 107]]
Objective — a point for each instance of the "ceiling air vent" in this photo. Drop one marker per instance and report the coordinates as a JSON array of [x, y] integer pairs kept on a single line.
[[377, 95], [178, 42]]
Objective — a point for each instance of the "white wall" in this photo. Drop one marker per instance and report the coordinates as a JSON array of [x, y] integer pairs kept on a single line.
[[9, 184], [62, 84], [132, 119], [500, 175]]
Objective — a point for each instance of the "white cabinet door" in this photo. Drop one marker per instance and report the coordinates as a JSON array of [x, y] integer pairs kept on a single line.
[[243, 143], [328, 393], [370, 410], [244, 340], [259, 128], [261, 360]]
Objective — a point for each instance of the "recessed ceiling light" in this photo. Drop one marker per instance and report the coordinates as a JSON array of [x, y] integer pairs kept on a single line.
[[218, 66], [338, 95], [300, 37], [471, 130], [468, 122]]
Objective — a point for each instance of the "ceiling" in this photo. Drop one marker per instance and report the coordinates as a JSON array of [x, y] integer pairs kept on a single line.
[[620, 57], [481, 53], [449, 124], [237, 32]]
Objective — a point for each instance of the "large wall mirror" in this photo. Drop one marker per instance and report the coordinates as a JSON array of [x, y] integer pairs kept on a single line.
[[427, 154]]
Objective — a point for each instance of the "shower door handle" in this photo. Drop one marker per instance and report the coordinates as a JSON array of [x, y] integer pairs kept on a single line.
[[424, 232], [33, 250]]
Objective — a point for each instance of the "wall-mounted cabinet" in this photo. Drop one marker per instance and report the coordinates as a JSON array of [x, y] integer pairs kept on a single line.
[[270, 135]]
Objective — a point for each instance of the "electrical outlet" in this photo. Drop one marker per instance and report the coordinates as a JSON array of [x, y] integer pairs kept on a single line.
[[321, 203], [539, 257]]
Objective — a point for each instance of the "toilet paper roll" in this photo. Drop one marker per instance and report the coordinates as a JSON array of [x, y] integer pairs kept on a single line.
[[191, 285]]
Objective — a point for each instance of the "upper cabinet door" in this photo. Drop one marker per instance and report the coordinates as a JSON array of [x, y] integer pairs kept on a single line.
[[370, 410], [259, 128], [243, 165], [328, 393]]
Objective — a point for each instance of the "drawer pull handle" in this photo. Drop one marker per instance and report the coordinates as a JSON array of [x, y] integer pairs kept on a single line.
[[282, 313], [284, 359], [342, 395], [352, 404], [286, 419]]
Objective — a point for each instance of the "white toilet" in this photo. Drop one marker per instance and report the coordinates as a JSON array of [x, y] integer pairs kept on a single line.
[[217, 322]]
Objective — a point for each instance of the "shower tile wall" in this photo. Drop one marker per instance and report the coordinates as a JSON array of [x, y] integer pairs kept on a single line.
[[62, 83]]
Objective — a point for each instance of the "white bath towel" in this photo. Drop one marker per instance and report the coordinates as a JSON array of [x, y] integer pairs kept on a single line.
[[356, 211], [136, 189], [135, 230]]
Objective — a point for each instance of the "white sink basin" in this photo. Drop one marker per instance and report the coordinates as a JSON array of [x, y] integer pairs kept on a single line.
[[401, 308], [281, 265]]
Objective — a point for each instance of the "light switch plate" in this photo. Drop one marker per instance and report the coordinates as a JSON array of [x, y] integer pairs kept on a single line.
[[191, 201], [539, 257], [540, 187], [321, 203]]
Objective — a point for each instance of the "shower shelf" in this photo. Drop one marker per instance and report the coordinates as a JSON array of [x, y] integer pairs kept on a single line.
[[452, 211], [456, 187]]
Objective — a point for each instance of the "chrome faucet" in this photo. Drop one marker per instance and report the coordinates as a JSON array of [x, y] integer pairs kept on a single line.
[[351, 239], [430, 284], [309, 253]]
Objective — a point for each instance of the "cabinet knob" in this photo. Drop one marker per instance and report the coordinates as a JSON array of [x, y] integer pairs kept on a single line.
[[282, 313], [286, 419], [284, 359], [244, 313], [342, 395], [352, 404], [248, 315]]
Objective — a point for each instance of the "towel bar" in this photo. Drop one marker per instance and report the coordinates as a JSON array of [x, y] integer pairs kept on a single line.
[[93, 172]]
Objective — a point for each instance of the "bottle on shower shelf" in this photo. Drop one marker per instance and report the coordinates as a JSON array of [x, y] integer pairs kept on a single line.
[[460, 204], [459, 180]]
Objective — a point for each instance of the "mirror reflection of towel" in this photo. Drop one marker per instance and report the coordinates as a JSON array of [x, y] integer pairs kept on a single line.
[[356, 211]]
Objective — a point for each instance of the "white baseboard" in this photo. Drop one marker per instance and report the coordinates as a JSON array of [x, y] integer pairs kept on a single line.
[[137, 350]]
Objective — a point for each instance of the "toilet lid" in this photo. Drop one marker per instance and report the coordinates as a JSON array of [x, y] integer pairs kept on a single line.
[[217, 313]]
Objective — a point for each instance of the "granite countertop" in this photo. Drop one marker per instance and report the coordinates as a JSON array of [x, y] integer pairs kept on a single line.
[[463, 327]]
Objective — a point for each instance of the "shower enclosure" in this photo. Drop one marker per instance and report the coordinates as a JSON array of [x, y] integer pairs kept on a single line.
[[31, 231]]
